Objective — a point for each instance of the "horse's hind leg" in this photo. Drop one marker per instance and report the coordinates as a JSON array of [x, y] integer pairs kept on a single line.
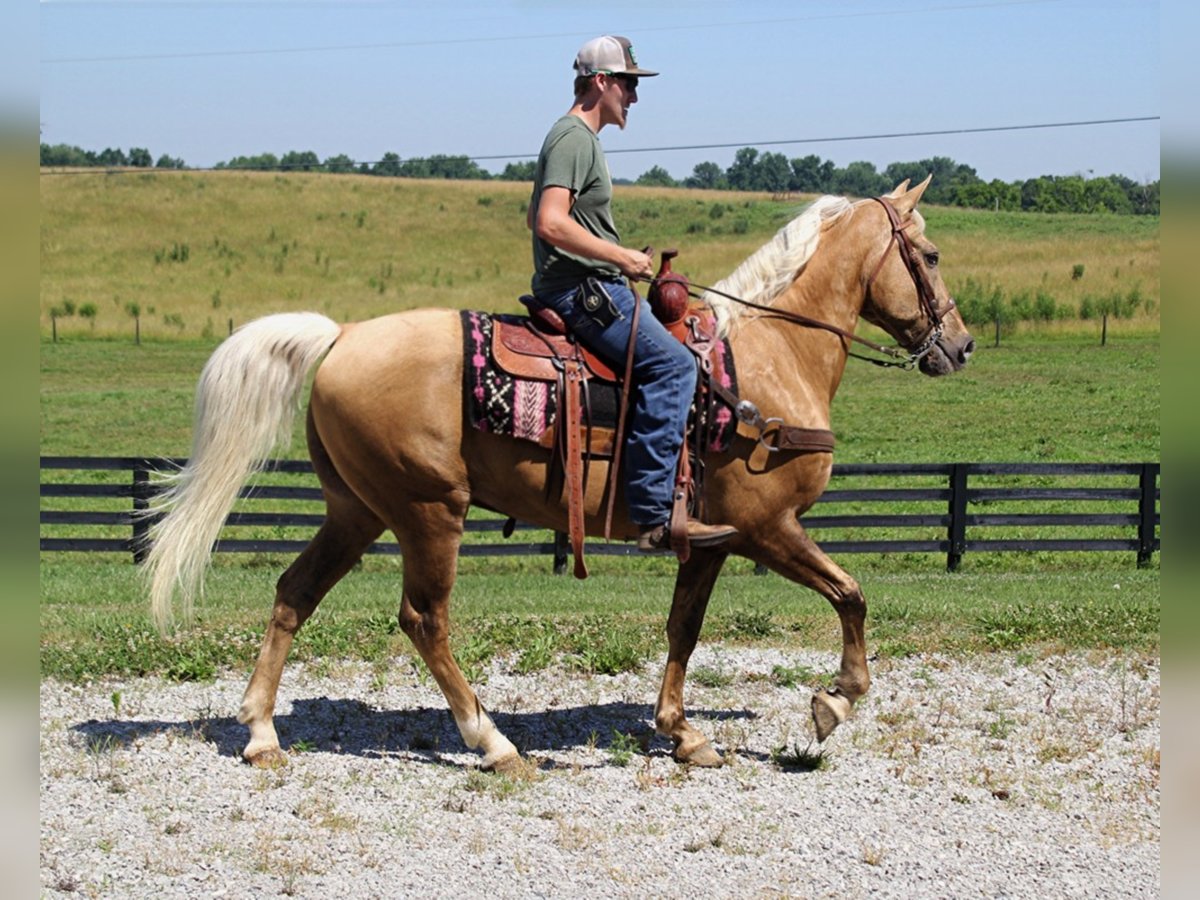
[[429, 540], [693, 587], [348, 530], [792, 553]]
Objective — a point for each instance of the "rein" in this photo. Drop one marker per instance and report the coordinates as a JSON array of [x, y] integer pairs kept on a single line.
[[900, 358]]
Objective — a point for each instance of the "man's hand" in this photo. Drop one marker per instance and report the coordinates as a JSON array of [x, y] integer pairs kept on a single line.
[[636, 263]]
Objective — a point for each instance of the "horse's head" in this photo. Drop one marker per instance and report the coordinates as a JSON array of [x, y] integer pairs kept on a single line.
[[905, 294]]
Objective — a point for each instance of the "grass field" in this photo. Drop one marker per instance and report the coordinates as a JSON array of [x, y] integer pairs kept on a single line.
[[354, 247], [195, 252]]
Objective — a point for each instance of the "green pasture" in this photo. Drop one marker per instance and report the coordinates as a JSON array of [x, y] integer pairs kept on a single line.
[[191, 253], [360, 246]]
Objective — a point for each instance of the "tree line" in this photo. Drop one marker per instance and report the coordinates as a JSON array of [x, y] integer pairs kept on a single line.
[[954, 184]]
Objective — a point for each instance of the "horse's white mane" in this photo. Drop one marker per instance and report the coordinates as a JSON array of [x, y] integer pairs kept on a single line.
[[767, 272]]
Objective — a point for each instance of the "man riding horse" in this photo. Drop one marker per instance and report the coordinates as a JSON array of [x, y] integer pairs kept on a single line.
[[579, 272]]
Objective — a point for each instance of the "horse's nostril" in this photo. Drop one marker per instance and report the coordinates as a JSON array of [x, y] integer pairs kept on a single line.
[[966, 351]]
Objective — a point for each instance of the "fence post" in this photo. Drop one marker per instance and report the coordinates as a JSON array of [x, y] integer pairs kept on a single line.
[[956, 535], [142, 492], [562, 545], [1147, 507]]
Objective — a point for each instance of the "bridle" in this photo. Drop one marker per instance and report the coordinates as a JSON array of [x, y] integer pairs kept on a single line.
[[898, 357], [926, 296]]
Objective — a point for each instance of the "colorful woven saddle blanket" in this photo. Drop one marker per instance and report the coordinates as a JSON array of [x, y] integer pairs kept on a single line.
[[512, 389]]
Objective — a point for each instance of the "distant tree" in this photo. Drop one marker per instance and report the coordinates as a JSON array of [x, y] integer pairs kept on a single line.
[[299, 161], [773, 173], [657, 177], [707, 176], [389, 165], [1106, 195], [340, 163], [521, 171], [112, 156], [66, 155], [994, 194], [459, 168], [860, 179], [169, 162], [742, 175], [261, 161], [948, 176], [811, 176], [139, 157]]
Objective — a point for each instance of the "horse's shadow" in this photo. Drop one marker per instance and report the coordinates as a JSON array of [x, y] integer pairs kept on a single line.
[[354, 728]]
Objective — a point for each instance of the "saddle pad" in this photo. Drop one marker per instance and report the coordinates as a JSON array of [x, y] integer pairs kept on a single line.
[[526, 409]]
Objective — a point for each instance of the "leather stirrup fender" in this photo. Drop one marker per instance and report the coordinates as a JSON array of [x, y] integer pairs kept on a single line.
[[572, 389]]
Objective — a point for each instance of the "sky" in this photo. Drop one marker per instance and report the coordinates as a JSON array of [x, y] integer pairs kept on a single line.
[[846, 80]]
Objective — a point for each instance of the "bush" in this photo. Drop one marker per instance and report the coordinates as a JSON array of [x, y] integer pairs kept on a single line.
[[981, 304], [1021, 306], [1044, 307]]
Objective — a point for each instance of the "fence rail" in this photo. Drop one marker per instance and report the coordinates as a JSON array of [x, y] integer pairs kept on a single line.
[[930, 508]]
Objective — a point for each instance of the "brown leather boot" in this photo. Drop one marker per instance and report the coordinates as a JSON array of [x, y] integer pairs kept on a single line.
[[657, 538]]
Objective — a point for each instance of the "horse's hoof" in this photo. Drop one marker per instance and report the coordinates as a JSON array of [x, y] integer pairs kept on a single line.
[[510, 764], [702, 755], [270, 758], [828, 712]]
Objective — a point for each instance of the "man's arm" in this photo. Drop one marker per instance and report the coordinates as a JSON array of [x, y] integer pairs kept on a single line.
[[556, 227]]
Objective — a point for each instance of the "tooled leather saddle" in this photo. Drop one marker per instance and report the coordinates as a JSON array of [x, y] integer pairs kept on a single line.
[[535, 358]]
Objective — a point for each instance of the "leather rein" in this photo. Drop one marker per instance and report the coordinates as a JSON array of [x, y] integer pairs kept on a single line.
[[899, 357]]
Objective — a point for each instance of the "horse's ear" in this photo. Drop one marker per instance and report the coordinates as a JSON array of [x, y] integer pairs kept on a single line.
[[906, 200], [898, 190]]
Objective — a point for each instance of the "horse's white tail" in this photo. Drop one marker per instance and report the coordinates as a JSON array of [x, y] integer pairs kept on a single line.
[[246, 402]]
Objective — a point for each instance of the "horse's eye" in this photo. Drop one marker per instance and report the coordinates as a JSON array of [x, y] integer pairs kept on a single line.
[[931, 259]]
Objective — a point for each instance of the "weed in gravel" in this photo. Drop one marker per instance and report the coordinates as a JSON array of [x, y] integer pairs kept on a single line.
[[716, 841], [577, 835], [102, 753], [795, 759], [1001, 728], [623, 748], [498, 786], [873, 855], [712, 676], [323, 812]]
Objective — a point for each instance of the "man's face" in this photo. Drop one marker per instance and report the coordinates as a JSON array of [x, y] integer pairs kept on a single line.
[[619, 93]]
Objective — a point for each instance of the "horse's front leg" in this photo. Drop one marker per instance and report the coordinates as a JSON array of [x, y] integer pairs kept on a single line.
[[788, 550], [693, 587]]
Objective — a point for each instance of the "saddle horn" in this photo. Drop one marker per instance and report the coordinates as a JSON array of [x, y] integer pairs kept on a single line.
[[669, 294]]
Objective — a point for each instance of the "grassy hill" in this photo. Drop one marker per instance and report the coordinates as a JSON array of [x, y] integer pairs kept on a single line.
[[194, 252]]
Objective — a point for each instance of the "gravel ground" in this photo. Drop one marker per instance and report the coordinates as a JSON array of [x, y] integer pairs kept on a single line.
[[998, 776]]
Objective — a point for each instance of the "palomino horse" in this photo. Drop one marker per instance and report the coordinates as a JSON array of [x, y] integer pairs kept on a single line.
[[387, 438]]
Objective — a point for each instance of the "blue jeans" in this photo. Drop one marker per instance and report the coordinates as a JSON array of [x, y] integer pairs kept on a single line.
[[664, 375]]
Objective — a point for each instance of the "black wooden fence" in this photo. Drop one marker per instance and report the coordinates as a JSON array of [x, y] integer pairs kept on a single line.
[[92, 504]]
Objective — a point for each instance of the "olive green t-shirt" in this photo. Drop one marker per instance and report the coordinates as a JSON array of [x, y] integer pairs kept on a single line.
[[572, 158]]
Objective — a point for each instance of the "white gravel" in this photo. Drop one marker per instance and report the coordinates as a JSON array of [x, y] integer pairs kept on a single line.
[[997, 776]]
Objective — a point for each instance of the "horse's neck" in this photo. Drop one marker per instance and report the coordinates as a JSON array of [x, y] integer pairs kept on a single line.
[[794, 370]]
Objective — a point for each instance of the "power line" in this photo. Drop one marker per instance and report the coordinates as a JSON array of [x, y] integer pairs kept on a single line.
[[993, 129], [856, 137], [437, 42]]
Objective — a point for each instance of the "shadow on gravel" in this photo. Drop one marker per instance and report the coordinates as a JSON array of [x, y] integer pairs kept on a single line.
[[348, 726]]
